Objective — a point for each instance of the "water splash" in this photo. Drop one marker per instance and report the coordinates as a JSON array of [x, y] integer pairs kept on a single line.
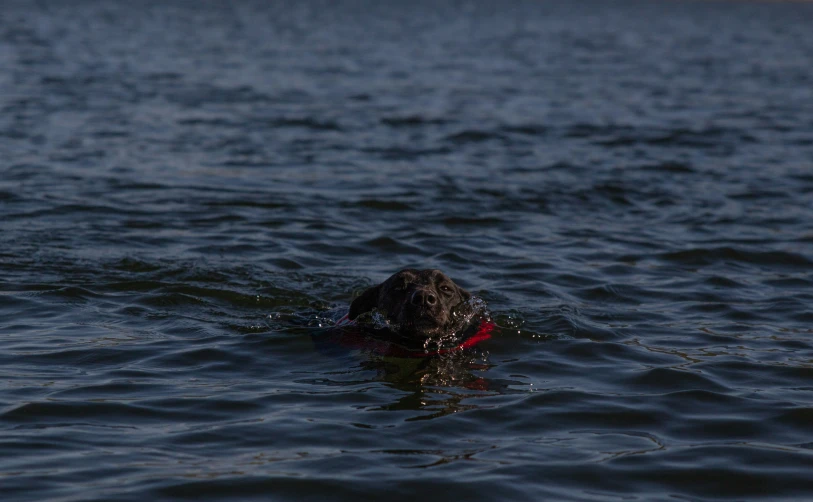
[[512, 320], [380, 321], [469, 313]]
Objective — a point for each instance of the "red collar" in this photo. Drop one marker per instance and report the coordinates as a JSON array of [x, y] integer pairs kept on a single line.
[[358, 339]]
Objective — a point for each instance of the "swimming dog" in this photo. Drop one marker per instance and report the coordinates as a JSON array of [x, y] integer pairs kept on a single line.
[[418, 303]]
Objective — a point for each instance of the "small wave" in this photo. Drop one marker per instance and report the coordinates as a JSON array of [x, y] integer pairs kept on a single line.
[[526, 129], [708, 256], [473, 136], [412, 121], [474, 221], [614, 293], [207, 94], [61, 411], [390, 244], [381, 205], [307, 123], [9, 196], [404, 153], [663, 380], [713, 138], [670, 167]]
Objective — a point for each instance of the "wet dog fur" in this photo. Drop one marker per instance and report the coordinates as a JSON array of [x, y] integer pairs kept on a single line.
[[418, 302]]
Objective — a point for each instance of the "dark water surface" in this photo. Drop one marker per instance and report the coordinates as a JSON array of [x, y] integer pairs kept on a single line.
[[192, 192]]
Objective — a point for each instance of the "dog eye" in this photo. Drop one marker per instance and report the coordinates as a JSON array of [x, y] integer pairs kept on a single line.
[[446, 289]]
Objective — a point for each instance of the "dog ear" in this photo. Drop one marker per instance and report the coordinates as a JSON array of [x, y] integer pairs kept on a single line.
[[463, 293], [364, 303]]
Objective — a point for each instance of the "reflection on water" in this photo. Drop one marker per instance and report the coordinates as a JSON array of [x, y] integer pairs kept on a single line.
[[438, 375], [438, 385]]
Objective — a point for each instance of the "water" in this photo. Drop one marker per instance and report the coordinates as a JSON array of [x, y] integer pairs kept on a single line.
[[192, 192]]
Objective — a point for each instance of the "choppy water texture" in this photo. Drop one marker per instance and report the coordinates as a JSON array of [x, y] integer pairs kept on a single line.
[[192, 192]]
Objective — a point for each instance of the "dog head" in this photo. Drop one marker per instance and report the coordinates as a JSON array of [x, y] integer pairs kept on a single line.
[[419, 302]]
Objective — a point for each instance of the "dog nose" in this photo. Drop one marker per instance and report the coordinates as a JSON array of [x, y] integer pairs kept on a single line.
[[423, 298]]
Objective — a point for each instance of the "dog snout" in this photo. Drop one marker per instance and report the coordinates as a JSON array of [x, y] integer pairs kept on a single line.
[[423, 298]]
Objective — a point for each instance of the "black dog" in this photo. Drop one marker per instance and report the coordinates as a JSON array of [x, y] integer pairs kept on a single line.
[[418, 302]]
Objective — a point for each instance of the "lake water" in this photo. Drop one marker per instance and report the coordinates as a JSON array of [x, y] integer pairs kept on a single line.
[[191, 194]]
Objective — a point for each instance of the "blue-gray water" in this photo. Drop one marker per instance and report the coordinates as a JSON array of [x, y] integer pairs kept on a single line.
[[192, 192]]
